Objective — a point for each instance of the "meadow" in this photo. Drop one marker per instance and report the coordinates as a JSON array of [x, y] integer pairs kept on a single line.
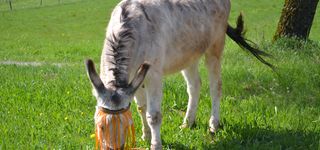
[[50, 106]]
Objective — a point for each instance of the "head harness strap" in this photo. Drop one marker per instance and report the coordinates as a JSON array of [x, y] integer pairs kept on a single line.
[[108, 111]]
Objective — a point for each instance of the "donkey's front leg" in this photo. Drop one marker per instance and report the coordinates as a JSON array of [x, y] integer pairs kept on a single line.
[[154, 98], [141, 100]]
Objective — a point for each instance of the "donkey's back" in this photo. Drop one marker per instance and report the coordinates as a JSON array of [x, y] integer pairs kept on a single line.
[[172, 34]]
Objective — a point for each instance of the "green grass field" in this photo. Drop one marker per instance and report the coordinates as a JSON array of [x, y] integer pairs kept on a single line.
[[51, 107]]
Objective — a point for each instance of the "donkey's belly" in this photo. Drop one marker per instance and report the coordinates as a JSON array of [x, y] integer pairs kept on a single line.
[[178, 60], [186, 47]]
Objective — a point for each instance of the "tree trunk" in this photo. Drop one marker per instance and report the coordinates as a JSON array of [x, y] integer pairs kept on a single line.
[[296, 19]]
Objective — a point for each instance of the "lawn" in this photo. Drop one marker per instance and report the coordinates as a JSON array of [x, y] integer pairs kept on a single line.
[[51, 106]]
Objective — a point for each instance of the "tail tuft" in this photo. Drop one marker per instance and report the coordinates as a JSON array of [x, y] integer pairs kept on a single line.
[[240, 26], [237, 35]]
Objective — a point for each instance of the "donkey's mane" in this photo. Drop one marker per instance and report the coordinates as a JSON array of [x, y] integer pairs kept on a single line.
[[118, 46]]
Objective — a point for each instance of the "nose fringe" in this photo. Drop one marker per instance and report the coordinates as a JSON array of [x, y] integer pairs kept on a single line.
[[117, 132]]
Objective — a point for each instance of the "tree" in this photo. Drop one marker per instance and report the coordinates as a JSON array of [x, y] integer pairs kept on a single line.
[[296, 19]]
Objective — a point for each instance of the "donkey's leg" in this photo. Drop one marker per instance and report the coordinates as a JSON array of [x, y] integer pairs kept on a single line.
[[154, 98], [213, 64], [191, 76], [141, 100]]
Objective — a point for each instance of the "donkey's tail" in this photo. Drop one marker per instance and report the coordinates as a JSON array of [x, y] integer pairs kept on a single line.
[[237, 35]]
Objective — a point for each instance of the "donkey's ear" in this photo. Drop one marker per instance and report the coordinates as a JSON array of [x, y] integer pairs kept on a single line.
[[138, 78], [94, 77]]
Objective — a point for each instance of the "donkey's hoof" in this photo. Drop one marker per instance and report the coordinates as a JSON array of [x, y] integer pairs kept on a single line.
[[156, 147], [212, 131], [186, 125], [214, 124]]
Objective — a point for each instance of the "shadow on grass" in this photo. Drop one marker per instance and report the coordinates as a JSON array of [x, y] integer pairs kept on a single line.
[[248, 137], [239, 137], [177, 146]]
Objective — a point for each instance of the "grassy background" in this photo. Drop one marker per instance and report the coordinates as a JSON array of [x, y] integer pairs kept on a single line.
[[50, 107]]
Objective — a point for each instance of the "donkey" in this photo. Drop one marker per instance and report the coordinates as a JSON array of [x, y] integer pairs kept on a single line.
[[148, 39]]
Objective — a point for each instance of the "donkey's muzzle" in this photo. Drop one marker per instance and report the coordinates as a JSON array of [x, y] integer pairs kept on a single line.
[[114, 129]]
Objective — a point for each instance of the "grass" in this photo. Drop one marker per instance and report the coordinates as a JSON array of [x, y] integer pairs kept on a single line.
[[30, 4], [50, 107]]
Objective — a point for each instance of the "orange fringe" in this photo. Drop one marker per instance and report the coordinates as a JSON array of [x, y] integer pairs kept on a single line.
[[109, 128]]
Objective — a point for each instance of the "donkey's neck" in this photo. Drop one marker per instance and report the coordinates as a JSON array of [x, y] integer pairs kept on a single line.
[[120, 46], [115, 58]]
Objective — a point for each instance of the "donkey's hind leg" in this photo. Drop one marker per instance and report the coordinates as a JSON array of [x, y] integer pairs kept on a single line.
[[191, 76], [213, 64], [141, 100]]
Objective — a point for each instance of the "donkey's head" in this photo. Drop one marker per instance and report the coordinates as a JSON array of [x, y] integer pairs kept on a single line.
[[114, 124], [113, 97]]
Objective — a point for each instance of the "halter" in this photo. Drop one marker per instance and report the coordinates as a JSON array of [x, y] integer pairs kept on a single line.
[[114, 127], [108, 111]]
